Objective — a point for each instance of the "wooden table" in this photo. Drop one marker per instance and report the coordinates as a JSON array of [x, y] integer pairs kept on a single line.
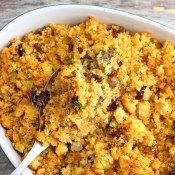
[[162, 11]]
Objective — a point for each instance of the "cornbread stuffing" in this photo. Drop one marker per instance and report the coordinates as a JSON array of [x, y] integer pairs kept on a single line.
[[110, 110]]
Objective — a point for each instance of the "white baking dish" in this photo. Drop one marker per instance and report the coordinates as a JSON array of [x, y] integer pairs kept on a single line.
[[73, 14]]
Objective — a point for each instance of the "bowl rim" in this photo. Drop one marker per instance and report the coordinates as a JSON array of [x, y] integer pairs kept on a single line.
[[75, 6]]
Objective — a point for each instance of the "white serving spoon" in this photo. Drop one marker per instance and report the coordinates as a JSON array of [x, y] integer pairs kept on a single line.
[[34, 152], [37, 148]]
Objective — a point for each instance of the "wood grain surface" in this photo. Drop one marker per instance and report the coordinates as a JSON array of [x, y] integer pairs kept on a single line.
[[162, 11]]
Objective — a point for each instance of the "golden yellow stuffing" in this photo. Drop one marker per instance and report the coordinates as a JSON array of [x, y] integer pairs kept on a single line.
[[110, 110]]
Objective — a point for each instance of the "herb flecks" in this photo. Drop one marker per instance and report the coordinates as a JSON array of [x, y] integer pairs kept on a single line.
[[69, 61], [76, 104], [28, 84]]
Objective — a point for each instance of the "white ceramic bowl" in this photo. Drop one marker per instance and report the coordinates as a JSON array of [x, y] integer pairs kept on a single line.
[[73, 14]]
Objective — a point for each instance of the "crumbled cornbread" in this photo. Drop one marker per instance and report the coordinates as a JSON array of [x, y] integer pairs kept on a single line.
[[110, 110]]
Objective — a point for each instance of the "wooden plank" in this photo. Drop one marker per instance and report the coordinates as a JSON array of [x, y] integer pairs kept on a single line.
[[9, 9]]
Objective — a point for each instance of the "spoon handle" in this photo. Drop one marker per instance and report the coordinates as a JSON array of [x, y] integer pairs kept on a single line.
[[34, 152]]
